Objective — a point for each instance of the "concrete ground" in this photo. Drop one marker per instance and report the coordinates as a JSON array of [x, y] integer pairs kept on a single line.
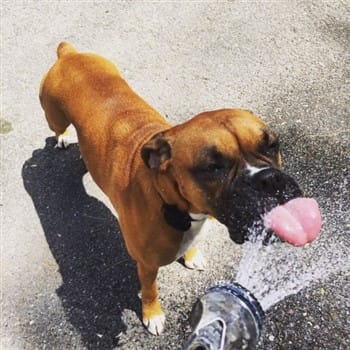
[[67, 281]]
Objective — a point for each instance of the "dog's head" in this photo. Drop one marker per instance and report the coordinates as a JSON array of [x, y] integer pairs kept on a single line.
[[224, 163]]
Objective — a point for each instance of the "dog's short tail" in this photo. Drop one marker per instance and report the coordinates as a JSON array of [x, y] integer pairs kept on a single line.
[[64, 49]]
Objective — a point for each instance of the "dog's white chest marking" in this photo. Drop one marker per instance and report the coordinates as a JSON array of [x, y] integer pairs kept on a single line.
[[191, 234]]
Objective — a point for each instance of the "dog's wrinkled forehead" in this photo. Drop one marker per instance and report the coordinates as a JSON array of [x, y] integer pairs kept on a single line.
[[227, 134], [212, 140]]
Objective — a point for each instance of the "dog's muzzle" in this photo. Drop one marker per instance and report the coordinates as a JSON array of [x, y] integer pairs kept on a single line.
[[276, 184], [251, 195]]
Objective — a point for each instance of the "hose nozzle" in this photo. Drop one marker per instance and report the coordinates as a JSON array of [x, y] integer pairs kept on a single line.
[[226, 317]]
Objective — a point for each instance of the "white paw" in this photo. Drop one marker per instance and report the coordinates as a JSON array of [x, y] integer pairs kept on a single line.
[[155, 325], [62, 142], [197, 262]]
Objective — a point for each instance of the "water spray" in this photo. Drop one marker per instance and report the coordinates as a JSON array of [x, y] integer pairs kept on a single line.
[[226, 317]]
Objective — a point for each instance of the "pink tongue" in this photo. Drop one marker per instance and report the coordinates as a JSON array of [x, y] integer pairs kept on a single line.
[[297, 222]]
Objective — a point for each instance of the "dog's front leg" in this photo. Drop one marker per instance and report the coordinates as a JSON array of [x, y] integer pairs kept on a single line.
[[152, 314], [193, 259]]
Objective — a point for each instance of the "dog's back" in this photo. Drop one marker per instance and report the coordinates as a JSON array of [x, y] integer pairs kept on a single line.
[[87, 90]]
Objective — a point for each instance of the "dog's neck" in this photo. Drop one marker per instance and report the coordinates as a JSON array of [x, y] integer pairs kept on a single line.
[[178, 219]]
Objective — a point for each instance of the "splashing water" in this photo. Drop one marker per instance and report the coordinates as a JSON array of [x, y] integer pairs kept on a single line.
[[276, 271]]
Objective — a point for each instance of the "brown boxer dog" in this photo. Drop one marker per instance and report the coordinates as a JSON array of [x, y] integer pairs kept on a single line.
[[163, 180]]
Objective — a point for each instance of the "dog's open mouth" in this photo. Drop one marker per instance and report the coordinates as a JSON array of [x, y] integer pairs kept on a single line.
[[297, 222], [272, 213]]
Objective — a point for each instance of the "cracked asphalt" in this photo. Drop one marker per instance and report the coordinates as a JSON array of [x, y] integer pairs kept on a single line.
[[67, 281]]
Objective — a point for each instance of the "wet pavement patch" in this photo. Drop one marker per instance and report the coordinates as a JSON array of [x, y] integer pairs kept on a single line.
[[5, 126]]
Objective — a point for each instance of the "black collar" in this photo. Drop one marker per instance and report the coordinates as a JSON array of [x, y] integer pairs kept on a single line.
[[176, 218]]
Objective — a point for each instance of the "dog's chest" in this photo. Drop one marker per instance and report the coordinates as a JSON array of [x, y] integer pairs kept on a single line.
[[190, 237]]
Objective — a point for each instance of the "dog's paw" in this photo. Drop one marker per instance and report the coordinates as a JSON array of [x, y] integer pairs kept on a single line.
[[62, 141], [155, 324], [193, 259]]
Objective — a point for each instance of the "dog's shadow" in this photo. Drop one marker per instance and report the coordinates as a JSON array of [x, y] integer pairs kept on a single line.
[[99, 278]]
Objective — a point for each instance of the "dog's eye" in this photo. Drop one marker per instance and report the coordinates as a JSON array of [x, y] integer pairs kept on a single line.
[[270, 145], [214, 167], [274, 146], [210, 171]]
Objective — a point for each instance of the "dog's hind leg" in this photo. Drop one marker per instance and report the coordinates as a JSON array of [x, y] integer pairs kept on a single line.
[[57, 122], [62, 140], [55, 117], [59, 125]]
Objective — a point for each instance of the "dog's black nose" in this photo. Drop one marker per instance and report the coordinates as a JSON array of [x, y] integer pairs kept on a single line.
[[269, 180]]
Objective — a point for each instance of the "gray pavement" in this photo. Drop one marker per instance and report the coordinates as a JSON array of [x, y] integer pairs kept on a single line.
[[67, 281]]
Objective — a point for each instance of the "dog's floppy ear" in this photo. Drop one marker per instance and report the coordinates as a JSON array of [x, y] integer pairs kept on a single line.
[[156, 151]]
